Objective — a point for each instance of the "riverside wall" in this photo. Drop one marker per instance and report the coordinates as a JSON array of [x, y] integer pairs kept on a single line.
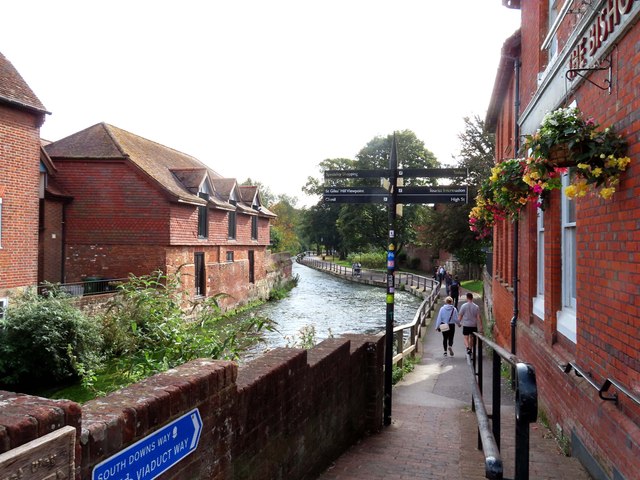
[[286, 415]]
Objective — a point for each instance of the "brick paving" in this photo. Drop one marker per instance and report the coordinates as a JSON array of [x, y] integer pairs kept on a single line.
[[433, 434]]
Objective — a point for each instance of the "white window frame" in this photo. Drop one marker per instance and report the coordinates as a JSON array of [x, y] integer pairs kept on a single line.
[[4, 303], [567, 315], [538, 300]]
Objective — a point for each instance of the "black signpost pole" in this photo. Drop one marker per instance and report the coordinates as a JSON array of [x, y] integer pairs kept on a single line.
[[404, 195], [391, 266]]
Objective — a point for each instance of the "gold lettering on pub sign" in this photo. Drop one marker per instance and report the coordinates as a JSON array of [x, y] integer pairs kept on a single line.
[[51, 457]]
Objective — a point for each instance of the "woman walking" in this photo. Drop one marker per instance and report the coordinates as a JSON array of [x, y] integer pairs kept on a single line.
[[446, 323]]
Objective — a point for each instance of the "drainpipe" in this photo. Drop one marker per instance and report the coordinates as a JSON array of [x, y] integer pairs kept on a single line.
[[516, 141]]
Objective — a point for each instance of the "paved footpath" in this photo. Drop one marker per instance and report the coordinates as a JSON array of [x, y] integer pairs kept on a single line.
[[433, 434]]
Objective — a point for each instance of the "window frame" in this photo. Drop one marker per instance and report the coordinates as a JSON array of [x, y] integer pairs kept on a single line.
[[230, 256], [200, 274], [254, 227], [566, 316], [203, 217], [538, 300], [232, 230]]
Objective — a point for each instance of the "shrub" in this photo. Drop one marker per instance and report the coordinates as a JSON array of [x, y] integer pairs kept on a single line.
[[369, 259], [46, 340]]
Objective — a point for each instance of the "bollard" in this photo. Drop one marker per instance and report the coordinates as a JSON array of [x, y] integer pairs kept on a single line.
[[526, 413]]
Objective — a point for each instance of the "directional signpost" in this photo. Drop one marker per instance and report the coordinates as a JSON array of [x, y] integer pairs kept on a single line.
[[154, 454], [395, 195]]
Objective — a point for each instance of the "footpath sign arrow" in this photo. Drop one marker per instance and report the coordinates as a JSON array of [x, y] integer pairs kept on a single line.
[[355, 195], [440, 194], [356, 174], [154, 454]]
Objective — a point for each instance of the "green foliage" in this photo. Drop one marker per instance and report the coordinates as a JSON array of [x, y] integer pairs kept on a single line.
[[149, 332], [46, 340], [360, 227], [472, 285], [144, 313], [283, 287], [374, 260], [307, 338], [408, 365], [286, 225]]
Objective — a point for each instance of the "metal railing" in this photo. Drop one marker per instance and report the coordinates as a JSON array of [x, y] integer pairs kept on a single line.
[[90, 286], [526, 408], [407, 336], [608, 383]]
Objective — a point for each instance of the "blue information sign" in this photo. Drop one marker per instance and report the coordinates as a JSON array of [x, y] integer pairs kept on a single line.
[[154, 454]]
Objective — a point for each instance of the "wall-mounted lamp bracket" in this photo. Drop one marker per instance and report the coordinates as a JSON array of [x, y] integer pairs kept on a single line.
[[597, 67]]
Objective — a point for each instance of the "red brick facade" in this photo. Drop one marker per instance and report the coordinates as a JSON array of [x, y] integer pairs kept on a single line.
[[125, 217], [606, 317], [21, 115]]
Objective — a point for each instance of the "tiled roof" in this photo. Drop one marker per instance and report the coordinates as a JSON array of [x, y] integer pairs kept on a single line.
[[14, 90], [251, 196], [104, 141]]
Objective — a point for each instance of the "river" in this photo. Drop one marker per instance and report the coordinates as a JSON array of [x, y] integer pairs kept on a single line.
[[332, 306]]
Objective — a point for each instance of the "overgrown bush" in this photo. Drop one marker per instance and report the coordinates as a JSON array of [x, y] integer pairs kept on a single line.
[[369, 259], [282, 288], [147, 330], [46, 340]]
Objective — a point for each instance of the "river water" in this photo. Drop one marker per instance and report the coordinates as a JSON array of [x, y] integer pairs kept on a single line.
[[332, 306]]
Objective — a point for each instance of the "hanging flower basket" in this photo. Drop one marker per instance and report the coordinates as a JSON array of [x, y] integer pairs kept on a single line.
[[560, 156], [566, 139]]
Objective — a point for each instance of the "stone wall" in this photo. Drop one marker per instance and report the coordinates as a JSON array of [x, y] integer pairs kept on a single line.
[[286, 415]]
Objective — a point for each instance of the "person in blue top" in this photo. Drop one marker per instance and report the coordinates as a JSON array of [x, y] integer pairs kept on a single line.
[[446, 323]]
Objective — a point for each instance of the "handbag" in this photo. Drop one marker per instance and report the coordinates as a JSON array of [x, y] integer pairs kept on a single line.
[[444, 327]]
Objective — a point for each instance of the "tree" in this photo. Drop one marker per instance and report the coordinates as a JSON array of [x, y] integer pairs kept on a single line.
[[448, 225], [476, 150], [286, 225]]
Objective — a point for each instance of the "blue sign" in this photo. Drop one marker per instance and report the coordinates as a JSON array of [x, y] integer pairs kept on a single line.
[[154, 454]]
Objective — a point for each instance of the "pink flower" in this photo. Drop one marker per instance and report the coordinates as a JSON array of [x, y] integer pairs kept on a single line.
[[537, 188]]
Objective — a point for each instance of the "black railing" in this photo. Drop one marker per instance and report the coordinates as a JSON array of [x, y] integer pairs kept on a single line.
[[526, 408], [608, 383], [90, 286]]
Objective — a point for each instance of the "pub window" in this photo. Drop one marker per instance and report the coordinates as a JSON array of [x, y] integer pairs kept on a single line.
[[567, 315], [254, 227], [538, 301], [232, 225]]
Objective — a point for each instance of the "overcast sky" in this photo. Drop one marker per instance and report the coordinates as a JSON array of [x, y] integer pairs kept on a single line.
[[265, 89]]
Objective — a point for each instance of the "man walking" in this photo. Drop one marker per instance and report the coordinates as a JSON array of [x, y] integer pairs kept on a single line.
[[470, 320]]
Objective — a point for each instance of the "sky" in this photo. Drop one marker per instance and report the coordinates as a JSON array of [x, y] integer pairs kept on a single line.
[[261, 89]]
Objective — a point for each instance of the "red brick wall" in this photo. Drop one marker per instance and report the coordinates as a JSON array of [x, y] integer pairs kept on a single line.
[[111, 261], [19, 178], [608, 271], [112, 204], [287, 414], [50, 259]]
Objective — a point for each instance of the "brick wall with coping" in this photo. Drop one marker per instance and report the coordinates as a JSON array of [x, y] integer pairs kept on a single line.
[[286, 415]]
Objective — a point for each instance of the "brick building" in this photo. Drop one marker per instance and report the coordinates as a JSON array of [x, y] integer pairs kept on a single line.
[[21, 181], [577, 263], [131, 205]]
